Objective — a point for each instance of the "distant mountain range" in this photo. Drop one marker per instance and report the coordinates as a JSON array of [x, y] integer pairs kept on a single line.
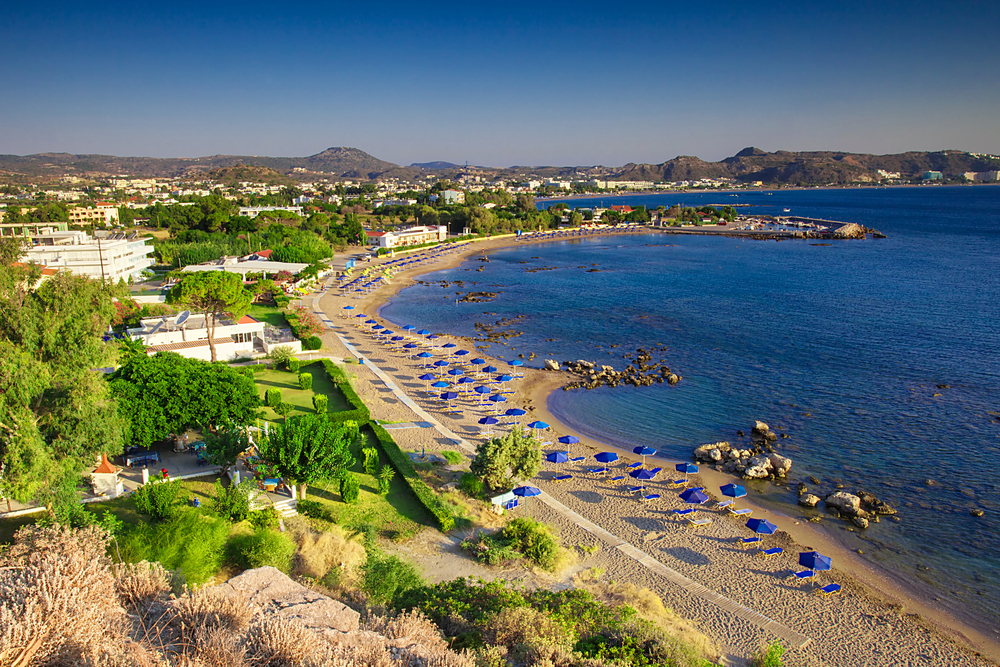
[[749, 165]]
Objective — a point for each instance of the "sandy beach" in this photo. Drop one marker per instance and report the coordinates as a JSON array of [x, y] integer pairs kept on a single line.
[[875, 620]]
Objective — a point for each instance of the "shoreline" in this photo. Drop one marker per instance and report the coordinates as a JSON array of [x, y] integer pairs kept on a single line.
[[878, 582]]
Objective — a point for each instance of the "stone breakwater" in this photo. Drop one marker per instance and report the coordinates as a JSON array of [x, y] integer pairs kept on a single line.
[[760, 461], [642, 371]]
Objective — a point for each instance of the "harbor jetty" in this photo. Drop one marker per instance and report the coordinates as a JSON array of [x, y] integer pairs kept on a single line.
[[778, 228]]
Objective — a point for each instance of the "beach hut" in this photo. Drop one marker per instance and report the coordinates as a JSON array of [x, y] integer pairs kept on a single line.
[[104, 479]]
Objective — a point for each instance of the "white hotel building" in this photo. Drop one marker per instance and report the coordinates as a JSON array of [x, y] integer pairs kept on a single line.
[[109, 256]]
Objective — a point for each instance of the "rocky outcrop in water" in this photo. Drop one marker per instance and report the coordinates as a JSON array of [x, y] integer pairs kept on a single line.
[[641, 372]]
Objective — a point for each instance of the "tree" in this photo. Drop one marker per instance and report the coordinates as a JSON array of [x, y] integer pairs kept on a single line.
[[310, 448], [56, 416], [505, 460], [168, 393], [224, 447], [213, 293]]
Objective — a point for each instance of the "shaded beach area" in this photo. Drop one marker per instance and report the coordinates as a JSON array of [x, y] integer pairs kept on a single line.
[[737, 596]]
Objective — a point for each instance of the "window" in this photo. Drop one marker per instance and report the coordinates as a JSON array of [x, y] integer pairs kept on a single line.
[[243, 337]]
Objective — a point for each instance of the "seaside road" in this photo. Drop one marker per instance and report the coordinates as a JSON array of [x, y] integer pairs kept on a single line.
[[792, 637]]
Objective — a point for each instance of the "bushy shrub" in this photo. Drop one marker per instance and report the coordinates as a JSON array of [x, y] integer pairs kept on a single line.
[[472, 485], [452, 457], [490, 550], [370, 455], [385, 479], [312, 343], [265, 518], [233, 503], [294, 364], [385, 577], [191, 543], [320, 403], [261, 548], [280, 355], [305, 381], [282, 301], [769, 657], [157, 499], [534, 540], [350, 488], [272, 397], [314, 510]]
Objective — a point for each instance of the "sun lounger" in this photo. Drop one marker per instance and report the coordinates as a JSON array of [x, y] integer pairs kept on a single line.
[[650, 497], [772, 552], [684, 512], [679, 482], [562, 478], [743, 512], [635, 465], [636, 489], [828, 590], [747, 541], [598, 471], [694, 523], [617, 478], [804, 574], [578, 458], [723, 504]]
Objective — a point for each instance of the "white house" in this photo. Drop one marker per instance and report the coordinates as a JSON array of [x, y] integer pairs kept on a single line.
[[109, 256], [254, 211], [188, 337]]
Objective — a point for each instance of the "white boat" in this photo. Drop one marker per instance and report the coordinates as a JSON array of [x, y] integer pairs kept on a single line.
[[786, 210]]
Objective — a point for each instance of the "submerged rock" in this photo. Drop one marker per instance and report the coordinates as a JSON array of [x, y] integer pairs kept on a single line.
[[848, 503], [809, 500]]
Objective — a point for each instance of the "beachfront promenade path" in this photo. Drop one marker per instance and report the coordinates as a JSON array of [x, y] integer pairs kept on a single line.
[[692, 587]]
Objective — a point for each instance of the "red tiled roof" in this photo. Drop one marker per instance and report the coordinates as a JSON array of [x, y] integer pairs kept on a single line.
[[374, 234], [105, 466], [246, 319], [265, 253]]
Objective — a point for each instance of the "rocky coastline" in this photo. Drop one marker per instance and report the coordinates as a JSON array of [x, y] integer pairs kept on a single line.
[[641, 371], [760, 461]]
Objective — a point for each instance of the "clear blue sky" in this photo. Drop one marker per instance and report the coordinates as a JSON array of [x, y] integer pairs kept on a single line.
[[499, 83]]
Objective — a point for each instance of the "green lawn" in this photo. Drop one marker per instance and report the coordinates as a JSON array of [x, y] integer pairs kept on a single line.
[[123, 508], [399, 515], [301, 400], [270, 314]]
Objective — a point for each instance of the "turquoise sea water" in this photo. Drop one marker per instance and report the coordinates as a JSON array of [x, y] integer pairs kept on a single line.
[[842, 347]]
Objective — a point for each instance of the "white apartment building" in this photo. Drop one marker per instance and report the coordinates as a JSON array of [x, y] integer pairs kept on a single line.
[[188, 337], [410, 236], [109, 256]]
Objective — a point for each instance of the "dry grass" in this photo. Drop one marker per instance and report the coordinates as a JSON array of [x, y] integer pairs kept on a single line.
[[412, 625], [276, 642], [212, 607], [651, 607], [141, 585], [319, 553]]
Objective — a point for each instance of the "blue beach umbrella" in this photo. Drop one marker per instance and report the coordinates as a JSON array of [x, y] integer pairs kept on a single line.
[[489, 421], [694, 497], [449, 396], [427, 377], [477, 361], [497, 398], [433, 337], [409, 327], [461, 353], [377, 327], [515, 362], [815, 561], [557, 457], [538, 424], [643, 473], [448, 346], [490, 369], [603, 457], [515, 412], [466, 380], [456, 371], [425, 355], [503, 378], [572, 440], [733, 490], [761, 526], [644, 452], [482, 390], [440, 384], [411, 346], [371, 321], [527, 491], [360, 315], [686, 468], [389, 333], [423, 332], [348, 307], [397, 338], [440, 363]]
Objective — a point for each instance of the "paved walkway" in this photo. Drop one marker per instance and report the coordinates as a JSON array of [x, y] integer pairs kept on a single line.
[[792, 637]]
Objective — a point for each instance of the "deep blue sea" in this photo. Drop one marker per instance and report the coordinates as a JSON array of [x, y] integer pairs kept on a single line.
[[840, 346]]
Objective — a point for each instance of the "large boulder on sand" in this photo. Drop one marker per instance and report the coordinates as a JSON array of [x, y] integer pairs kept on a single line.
[[780, 464], [551, 365], [847, 503], [712, 453]]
